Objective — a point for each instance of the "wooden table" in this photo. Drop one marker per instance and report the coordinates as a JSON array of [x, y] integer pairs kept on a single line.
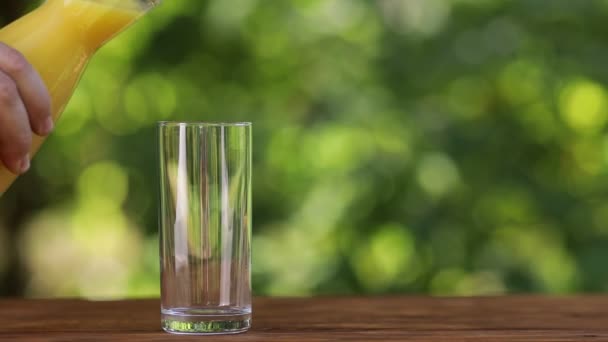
[[525, 318]]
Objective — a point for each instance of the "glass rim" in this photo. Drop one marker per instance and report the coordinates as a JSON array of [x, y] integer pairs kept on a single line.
[[203, 124]]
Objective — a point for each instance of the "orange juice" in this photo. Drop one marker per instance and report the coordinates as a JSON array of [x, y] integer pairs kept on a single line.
[[59, 38]]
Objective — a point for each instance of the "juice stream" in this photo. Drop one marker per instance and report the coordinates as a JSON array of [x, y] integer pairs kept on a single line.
[[58, 39]]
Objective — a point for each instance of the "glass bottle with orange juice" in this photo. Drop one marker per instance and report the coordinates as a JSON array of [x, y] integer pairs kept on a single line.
[[59, 38]]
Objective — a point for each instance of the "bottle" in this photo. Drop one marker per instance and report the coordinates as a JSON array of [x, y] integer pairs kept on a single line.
[[59, 38]]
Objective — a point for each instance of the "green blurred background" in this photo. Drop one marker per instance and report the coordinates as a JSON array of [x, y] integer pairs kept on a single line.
[[445, 147]]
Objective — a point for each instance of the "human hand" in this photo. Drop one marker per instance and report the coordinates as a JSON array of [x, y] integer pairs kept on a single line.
[[25, 109]]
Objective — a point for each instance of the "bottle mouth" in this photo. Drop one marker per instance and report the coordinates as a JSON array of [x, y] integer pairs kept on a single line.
[[129, 4], [150, 3]]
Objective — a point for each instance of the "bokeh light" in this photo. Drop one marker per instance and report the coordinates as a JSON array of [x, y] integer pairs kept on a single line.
[[448, 147]]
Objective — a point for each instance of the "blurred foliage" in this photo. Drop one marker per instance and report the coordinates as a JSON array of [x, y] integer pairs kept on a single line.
[[448, 147]]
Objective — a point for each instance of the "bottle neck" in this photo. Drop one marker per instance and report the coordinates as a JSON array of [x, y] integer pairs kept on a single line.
[[135, 5], [96, 21]]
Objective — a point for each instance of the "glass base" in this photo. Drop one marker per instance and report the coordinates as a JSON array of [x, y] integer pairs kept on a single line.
[[205, 321]]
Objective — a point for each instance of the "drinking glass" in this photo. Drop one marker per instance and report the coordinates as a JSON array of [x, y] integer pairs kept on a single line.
[[205, 227]]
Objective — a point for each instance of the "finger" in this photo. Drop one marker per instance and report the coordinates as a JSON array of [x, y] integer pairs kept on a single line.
[[32, 90], [15, 132]]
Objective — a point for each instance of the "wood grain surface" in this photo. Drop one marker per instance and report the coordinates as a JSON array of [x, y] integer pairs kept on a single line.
[[520, 318]]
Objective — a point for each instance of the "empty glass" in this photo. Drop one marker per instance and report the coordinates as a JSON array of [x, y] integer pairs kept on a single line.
[[205, 227]]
